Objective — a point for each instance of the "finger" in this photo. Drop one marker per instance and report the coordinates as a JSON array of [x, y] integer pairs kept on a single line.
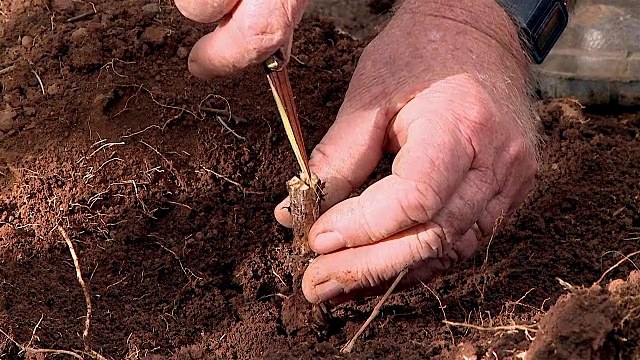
[[427, 171], [512, 193], [253, 32], [505, 203], [205, 11], [346, 156], [368, 270]]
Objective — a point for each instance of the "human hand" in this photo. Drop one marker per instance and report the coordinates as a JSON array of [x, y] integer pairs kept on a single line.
[[250, 32], [452, 102]]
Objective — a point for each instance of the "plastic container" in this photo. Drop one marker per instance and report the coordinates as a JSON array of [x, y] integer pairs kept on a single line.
[[597, 58]]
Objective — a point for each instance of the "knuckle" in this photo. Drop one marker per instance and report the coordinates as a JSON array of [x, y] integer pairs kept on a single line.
[[428, 243], [369, 227], [413, 203], [434, 245], [368, 278], [373, 275], [265, 35], [523, 157]]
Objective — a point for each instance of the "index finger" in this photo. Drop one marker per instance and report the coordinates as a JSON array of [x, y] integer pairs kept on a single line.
[[205, 11]]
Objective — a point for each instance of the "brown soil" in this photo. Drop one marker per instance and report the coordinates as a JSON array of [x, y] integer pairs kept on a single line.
[[171, 212]]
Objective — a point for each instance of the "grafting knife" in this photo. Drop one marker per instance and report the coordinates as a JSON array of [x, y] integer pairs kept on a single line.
[[278, 76]]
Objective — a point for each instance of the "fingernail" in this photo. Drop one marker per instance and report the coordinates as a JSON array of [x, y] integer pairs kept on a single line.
[[328, 242], [328, 290]]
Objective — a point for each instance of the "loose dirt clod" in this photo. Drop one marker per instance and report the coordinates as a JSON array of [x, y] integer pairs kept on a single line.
[[592, 323], [577, 327]]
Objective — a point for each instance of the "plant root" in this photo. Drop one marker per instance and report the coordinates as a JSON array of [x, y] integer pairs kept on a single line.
[[376, 310]]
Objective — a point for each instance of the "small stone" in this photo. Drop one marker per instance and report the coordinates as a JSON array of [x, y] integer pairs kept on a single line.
[[79, 34], [29, 111], [27, 41], [199, 236], [52, 90], [154, 35], [182, 52], [151, 8], [158, 77]]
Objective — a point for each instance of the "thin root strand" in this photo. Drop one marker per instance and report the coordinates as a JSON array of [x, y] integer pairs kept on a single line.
[[85, 290], [349, 346], [492, 328]]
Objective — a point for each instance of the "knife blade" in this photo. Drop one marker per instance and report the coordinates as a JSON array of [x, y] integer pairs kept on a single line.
[[278, 77]]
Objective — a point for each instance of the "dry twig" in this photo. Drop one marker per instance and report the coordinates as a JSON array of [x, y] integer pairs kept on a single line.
[[103, 146], [222, 122], [35, 328], [171, 167], [224, 113], [349, 346], [141, 87], [112, 64], [39, 81], [220, 176], [81, 16], [7, 69], [85, 335], [444, 314], [615, 266], [85, 290], [188, 274], [497, 223], [29, 350], [492, 328]]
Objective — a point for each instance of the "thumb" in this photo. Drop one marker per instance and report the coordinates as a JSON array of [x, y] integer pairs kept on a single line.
[[345, 157], [249, 35]]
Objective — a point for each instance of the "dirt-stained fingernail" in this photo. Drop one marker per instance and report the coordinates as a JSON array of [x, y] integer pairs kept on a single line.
[[328, 290], [328, 242]]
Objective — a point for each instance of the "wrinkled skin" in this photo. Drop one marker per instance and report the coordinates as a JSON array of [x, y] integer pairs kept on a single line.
[[463, 156]]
